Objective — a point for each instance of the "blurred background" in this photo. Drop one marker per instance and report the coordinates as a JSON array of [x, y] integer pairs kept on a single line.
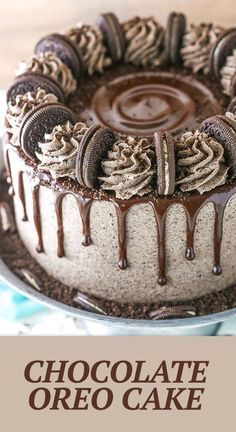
[[23, 23]]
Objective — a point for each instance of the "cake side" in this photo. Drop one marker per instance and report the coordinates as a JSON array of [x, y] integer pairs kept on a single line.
[[94, 269]]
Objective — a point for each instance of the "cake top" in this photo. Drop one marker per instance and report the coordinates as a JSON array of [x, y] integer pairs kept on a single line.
[[157, 129]]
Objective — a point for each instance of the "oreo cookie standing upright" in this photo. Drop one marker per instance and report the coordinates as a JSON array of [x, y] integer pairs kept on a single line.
[[65, 49], [222, 48], [113, 34], [93, 148], [30, 82], [174, 34], [40, 120], [223, 130], [165, 159]]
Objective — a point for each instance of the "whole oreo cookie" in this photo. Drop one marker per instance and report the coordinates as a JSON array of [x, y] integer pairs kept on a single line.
[[65, 49], [29, 82], [232, 106], [40, 120], [93, 148], [113, 35], [175, 30], [165, 157], [223, 130], [222, 48]]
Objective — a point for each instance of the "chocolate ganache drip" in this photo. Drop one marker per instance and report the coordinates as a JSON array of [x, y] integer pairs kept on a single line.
[[192, 205]]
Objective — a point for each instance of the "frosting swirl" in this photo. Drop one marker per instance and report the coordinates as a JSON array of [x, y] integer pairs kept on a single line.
[[228, 72], [129, 168], [200, 163], [144, 39], [49, 64], [197, 43], [90, 41], [22, 105], [59, 150]]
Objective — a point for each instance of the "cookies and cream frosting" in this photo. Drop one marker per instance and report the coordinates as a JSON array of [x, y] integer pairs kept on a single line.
[[228, 72], [144, 38], [59, 150], [17, 110], [90, 41], [129, 168], [49, 64], [197, 43], [200, 163]]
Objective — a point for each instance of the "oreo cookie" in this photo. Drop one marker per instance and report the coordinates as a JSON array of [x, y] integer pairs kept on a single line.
[[232, 106], [174, 34], [29, 82], [165, 157], [113, 36], [93, 148], [65, 49], [223, 130], [222, 48], [38, 121]]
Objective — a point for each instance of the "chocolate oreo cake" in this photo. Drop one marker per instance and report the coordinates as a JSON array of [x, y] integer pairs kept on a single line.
[[120, 154]]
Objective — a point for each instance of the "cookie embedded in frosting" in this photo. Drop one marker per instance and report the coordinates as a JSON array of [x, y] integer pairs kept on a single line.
[[228, 72], [200, 163], [18, 109], [144, 39], [129, 168], [197, 44], [59, 150], [90, 41], [50, 65]]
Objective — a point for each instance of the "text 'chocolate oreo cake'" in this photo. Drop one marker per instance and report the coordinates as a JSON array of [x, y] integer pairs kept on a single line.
[[120, 154]]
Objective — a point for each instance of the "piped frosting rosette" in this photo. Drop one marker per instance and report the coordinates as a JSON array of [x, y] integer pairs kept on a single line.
[[200, 163], [129, 168]]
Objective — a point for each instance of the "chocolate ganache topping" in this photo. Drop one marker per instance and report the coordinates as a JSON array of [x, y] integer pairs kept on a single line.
[[200, 163], [90, 41], [129, 168], [49, 64], [59, 150], [17, 110], [144, 39], [228, 72], [197, 44]]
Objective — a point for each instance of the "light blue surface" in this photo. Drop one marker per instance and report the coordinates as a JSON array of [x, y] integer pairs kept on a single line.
[[15, 306]]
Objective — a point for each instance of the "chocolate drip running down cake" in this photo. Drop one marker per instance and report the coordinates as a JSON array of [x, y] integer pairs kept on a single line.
[[120, 155]]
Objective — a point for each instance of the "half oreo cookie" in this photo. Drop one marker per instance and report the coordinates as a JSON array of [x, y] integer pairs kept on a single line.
[[93, 148], [29, 82], [175, 30], [65, 49], [222, 48], [40, 120], [165, 157], [113, 35], [223, 130]]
